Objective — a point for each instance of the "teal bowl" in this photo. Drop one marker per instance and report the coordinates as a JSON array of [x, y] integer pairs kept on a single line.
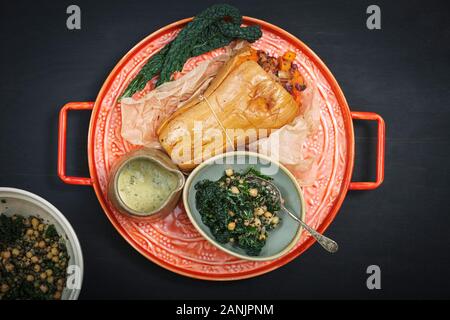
[[280, 240]]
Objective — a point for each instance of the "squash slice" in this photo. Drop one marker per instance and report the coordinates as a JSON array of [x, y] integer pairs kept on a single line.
[[243, 103]]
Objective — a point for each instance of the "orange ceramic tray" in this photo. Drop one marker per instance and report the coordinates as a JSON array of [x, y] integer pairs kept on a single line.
[[173, 242]]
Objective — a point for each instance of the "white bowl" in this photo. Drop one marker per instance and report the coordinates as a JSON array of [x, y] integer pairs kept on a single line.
[[24, 203]]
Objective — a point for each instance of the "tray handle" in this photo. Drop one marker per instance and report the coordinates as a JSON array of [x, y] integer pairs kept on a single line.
[[62, 137], [360, 115], [356, 115]]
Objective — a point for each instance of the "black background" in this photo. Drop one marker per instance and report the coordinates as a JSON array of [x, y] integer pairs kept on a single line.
[[401, 72]]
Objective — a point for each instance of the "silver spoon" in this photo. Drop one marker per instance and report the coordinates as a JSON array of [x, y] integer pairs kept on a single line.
[[328, 244]]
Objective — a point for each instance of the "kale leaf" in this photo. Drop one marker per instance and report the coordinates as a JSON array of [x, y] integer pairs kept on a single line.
[[11, 229]]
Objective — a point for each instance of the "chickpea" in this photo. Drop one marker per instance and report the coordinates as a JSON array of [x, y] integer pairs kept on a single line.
[[229, 172], [41, 227], [259, 211], [264, 208], [55, 259], [15, 252], [60, 282], [6, 255], [9, 267], [275, 220], [231, 213], [262, 236], [246, 223], [30, 278], [37, 268], [43, 288], [36, 234], [34, 223], [54, 251], [234, 190], [50, 279], [231, 240], [231, 226], [43, 276], [257, 222], [29, 254], [29, 232], [253, 192], [34, 259], [49, 255], [57, 295], [49, 272], [42, 244], [4, 288], [268, 214]]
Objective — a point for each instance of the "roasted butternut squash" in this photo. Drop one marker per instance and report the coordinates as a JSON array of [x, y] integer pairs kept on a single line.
[[241, 97]]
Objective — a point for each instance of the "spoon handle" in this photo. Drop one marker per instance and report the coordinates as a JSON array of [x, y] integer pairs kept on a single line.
[[328, 244]]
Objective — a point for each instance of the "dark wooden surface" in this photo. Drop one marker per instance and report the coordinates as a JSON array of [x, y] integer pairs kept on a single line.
[[401, 72]]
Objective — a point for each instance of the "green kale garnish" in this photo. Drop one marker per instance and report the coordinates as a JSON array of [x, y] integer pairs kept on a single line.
[[213, 28]]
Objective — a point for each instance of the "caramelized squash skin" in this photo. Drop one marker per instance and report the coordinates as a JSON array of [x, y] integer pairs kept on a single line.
[[243, 99]]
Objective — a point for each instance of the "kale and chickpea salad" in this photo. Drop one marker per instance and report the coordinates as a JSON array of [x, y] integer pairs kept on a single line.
[[238, 210], [33, 259]]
